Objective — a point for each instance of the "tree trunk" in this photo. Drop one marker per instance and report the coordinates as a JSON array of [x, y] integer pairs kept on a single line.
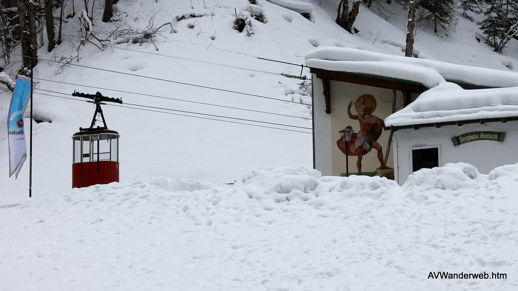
[[410, 33], [86, 6], [351, 17], [341, 14], [93, 5], [435, 22], [26, 16], [31, 13], [60, 20], [108, 10], [49, 23]]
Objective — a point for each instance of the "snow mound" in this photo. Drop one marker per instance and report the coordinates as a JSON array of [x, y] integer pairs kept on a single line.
[[177, 185], [358, 187], [507, 172], [449, 178], [305, 186], [349, 231], [282, 184]]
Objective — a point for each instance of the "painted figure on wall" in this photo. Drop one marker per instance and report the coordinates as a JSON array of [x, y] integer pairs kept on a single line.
[[371, 128]]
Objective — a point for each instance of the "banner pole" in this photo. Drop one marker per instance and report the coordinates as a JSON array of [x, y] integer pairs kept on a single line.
[[30, 144]]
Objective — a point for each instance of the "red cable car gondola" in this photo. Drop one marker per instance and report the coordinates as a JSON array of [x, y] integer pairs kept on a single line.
[[95, 149]]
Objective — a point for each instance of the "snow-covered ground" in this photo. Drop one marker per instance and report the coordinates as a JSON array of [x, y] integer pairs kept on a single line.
[[276, 229]]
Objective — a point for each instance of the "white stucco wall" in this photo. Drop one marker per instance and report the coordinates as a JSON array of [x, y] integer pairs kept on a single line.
[[328, 158], [485, 155], [321, 129]]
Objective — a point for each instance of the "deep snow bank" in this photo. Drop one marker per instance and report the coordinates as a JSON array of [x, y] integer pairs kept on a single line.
[[276, 229]]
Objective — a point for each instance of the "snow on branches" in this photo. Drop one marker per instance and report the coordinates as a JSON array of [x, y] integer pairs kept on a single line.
[[7, 81]]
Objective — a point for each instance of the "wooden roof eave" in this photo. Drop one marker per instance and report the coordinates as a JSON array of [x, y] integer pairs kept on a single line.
[[370, 80], [446, 123]]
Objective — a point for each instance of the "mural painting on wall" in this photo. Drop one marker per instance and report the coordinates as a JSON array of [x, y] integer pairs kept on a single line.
[[371, 128]]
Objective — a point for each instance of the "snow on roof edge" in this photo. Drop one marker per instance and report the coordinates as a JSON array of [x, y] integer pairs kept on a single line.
[[406, 72], [300, 7], [481, 77], [447, 103]]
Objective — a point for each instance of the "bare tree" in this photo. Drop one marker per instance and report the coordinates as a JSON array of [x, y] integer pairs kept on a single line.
[[9, 27], [108, 10], [410, 30], [60, 21], [49, 23], [27, 18], [346, 18]]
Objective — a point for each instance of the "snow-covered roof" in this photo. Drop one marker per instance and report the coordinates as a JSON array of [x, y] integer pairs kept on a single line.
[[343, 59], [450, 103], [429, 78]]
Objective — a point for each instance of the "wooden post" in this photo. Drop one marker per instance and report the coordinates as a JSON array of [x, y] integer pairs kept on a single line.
[[30, 145], [327, 94], [389, 143]]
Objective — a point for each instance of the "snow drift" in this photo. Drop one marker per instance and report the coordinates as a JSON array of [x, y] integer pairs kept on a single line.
[[275, 229]]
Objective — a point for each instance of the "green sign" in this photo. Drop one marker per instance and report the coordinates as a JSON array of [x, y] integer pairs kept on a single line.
[[478, 135]]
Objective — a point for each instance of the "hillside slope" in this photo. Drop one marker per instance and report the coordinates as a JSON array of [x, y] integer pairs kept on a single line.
[[202, 52]]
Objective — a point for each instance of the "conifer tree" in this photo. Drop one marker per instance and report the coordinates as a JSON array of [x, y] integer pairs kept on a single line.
[[440, 12], [500, 23], [469, 6]]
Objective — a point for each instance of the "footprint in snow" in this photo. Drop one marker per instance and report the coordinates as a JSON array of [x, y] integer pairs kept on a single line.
[[287, 17], [136, 67], [314, 42]]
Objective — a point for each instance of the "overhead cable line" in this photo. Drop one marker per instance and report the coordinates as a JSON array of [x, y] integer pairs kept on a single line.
[[217, 64], [218, 49], [178, 114], [204, 114], [240, 53], [215, 115], [175, 82], [168, 98]]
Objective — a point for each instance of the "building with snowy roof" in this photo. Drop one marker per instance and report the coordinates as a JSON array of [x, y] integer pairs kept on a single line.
[[374, 96], [449, 125]]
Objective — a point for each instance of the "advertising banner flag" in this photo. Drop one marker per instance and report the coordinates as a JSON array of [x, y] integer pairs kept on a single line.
[[16, 136]]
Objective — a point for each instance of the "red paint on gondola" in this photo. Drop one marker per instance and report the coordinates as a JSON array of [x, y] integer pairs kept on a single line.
[[93, 173]]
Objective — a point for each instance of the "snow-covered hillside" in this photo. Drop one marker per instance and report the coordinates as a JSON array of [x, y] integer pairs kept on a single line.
[[204, 51]]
